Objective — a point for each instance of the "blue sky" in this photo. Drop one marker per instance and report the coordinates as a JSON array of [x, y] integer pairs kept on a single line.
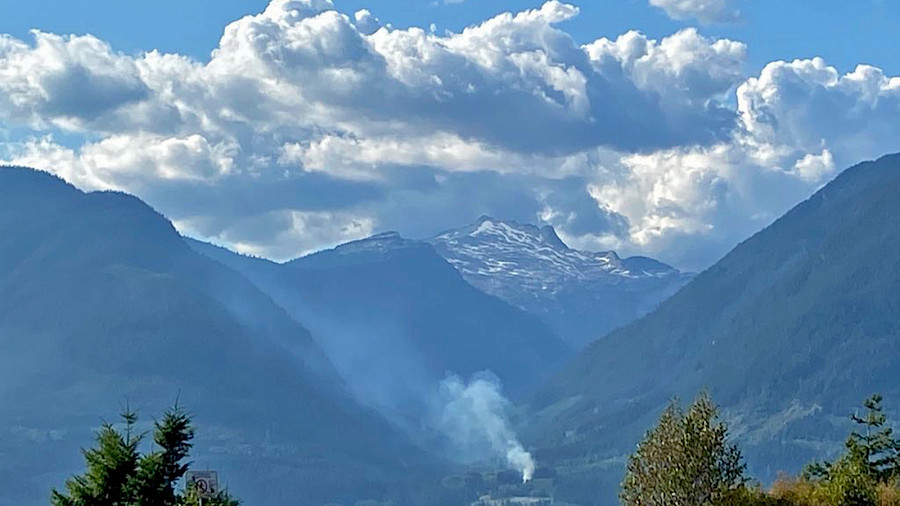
[[314, 125], [843, 32]]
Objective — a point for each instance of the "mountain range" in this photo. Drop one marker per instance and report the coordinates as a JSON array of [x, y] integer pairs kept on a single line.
[[437, 306], [397, 319], [324, 374]]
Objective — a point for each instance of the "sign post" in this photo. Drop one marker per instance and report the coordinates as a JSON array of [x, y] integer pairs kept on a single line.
[[205, 483]]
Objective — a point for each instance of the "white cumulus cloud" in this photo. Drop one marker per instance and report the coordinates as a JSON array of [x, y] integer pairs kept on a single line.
[[800, 122], [69, 82], [309, 126]]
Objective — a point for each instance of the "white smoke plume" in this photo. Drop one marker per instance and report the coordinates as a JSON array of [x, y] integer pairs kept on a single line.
[[474, 417]]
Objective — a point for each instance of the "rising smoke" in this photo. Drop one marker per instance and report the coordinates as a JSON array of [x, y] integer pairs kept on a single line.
[[474, 417]]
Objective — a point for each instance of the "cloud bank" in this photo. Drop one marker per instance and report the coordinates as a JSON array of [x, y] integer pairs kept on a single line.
[[308, 127]]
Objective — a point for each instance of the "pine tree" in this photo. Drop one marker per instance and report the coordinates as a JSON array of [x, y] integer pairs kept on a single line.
[[872, 448], [875, 445], [686, 460]]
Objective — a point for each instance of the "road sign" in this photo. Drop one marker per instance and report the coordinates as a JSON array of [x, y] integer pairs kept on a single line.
[[205, 483]]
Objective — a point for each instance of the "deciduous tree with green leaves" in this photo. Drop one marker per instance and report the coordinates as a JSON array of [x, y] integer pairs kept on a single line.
[[686, 460]]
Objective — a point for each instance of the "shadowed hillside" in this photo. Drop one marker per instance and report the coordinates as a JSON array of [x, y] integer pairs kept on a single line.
[[104, 303], [396, 319], [787, 331]]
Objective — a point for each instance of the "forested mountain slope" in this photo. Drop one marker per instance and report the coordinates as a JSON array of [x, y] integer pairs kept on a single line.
[[104, 304], [790, 329]]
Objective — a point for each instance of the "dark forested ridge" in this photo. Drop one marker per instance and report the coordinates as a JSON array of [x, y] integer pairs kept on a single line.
[[788, 331], [104, 303]]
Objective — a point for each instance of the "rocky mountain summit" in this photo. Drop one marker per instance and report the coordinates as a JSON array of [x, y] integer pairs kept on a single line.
[[583, 295]]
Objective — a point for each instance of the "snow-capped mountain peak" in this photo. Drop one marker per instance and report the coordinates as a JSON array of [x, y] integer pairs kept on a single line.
[[532, 255], [531, 267]]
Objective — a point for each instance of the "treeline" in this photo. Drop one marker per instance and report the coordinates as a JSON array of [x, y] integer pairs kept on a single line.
[[687, 459]]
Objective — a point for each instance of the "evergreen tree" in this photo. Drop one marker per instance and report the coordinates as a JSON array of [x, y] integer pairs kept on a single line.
[[875, 445], [158, 471], [118, 475], [872, 448], [686, 460], [111, 467]]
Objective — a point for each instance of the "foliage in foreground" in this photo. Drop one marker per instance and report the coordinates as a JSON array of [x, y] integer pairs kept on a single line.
[[866, 474], [686, 460], [117, 474]]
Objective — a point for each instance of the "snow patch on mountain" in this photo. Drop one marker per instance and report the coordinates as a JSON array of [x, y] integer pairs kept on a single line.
[[531, 267], [534, 258]]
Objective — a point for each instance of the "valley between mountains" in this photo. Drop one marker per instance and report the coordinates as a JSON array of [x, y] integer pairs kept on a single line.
[[413, 371]]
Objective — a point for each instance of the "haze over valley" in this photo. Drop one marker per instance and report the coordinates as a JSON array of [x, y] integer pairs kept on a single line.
[[449, 253]]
